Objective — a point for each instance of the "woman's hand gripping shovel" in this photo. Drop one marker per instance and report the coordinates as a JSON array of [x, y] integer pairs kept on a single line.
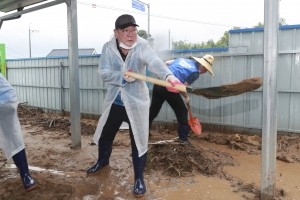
[[193, 122]]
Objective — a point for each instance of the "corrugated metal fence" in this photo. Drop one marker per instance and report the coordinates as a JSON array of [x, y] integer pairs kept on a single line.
[[44, 82]]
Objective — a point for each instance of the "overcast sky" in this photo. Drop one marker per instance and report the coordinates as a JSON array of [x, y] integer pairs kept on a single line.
[[189, 20]]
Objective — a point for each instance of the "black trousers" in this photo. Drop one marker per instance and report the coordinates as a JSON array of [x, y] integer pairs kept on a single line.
[[116, 117], [161, 94]]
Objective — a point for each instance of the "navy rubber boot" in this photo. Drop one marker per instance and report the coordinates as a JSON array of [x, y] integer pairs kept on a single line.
[[21, 162], [183, 132], [104, 152], [139, 188]]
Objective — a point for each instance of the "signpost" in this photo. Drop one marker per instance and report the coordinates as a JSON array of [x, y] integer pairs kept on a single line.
[[138, 5], [2, 60]]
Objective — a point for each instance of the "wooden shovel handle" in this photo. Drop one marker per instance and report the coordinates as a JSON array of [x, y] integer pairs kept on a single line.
[[190, 112], [156, 81]]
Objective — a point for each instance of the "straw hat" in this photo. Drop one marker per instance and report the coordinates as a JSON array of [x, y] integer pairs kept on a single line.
[[207, 61]]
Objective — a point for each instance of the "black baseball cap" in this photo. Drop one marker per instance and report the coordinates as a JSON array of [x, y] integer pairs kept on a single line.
[[124, 21]]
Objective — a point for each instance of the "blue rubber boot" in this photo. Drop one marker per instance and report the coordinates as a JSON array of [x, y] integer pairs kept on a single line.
[[21, 162], [183, 132], [139, 188], [104, 152]]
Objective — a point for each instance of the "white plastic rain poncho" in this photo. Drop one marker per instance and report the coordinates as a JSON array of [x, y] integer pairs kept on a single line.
[[135, 95], [11, 138]]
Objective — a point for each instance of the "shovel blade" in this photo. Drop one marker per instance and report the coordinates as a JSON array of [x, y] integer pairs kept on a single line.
[[195, 125]]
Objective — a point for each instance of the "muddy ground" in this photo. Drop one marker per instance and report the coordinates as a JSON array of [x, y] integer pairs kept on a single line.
[[217, 166]]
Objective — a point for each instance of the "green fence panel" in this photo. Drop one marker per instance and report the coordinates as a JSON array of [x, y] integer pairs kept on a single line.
[[2, 60]]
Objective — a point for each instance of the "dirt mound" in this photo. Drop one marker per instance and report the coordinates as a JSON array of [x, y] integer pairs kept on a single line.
[[288, 146], [28, 112], [178, 159], [36, 117]]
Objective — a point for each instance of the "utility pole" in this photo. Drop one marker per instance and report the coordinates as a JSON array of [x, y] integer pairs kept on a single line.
[[31, 31]]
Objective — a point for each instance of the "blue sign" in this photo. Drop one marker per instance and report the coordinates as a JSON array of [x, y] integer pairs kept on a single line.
[[138, 5]]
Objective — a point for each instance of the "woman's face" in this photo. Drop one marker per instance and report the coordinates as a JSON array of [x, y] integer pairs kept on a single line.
[[127, 36], [202, 69]]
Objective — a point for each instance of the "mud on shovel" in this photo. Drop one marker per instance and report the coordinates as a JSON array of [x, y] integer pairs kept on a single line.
[[193, 122], [217, 92]]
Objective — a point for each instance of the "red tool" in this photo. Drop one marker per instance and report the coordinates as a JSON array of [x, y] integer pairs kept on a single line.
[[194, 122]]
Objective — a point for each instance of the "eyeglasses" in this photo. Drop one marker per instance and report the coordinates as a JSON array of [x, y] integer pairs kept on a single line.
[[127, 31]]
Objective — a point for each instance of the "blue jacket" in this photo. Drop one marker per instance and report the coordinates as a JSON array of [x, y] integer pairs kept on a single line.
[[182, 68]]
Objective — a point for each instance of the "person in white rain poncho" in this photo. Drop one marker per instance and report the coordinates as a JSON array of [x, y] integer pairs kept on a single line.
[[11, 138], [127, 99]]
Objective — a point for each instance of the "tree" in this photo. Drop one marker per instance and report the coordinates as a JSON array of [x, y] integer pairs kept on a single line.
[[259, 25], [222, 42], [144, 34], [281, 22], [181, 45]]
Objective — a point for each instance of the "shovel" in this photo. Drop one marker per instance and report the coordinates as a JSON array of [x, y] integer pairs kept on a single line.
[[227, 90], [194, 122]]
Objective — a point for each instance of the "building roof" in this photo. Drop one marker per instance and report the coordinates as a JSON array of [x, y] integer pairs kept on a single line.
[[9, 5], [65, 52]]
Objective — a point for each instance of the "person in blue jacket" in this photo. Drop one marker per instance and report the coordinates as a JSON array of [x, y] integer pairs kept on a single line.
[[11, 138], [187, 71]]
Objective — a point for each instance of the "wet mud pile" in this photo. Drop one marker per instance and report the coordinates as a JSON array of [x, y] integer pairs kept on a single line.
[[36, 117], [245, 85], [171, 167], [179, 159], [288, 146], [231, 89], [176, 159]]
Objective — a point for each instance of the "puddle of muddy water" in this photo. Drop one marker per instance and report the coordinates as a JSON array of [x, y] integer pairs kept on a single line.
[[288, 178], [201, 187], [249, 170]]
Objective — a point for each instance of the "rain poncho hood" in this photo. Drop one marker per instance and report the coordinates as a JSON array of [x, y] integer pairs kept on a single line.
[[135, 95]]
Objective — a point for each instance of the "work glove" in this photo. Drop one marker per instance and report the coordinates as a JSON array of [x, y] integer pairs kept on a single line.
[[128, 78], [187, 100], [174, 81]]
